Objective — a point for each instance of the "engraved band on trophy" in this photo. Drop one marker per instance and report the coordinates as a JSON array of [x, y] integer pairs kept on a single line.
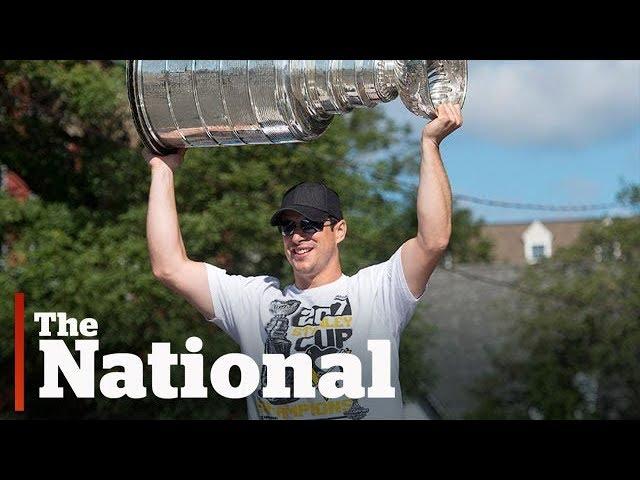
[[206, 103]]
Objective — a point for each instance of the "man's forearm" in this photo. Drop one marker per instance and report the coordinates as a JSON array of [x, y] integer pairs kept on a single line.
[[166, 248], [421, 255], [434, 200]]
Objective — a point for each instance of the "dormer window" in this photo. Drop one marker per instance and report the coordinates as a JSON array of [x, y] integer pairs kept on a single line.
[[537, 241], [537, 251]]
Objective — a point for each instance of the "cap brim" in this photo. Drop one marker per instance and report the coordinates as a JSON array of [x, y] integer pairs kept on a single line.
[[310, 212]]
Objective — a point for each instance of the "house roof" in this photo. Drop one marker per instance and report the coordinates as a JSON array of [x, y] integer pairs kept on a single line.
[[507, 238], [469, 307]]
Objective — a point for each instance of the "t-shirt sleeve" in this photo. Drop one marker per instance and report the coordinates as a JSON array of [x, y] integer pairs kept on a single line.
[[236, 300], [392, 297]]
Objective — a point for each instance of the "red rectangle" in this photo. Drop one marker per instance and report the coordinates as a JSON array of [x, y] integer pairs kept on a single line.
[[18, 305]]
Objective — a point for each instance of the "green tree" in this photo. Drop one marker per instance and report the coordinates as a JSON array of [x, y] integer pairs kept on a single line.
[[80, 247], [574, 347], [630, 195], [65, 128]]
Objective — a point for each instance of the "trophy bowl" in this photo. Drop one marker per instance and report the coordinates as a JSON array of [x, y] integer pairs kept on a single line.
[[207, 103]]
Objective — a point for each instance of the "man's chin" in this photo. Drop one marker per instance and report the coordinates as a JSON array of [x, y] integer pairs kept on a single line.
[[301, 267]]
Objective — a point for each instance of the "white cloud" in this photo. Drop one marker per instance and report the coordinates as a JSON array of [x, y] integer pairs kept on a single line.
[[544, 103], [560, 103]]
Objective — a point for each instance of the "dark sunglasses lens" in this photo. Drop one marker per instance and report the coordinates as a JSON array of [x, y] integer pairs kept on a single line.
[[288, 228], [309, 226], [306, 225]]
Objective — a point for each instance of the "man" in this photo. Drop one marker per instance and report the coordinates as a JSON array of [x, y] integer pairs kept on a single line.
[[324, 311]]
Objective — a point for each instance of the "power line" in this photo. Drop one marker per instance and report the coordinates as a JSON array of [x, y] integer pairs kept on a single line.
[[411, 187], [575, 303], [535, 206]]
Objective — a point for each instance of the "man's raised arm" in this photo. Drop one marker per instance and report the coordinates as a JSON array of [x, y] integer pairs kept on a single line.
[[169, 260], [421, 254]]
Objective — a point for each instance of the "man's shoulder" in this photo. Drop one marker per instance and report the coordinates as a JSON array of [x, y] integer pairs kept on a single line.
[[375, 271], [364, 277], [266, 287], [265, 281], [379, 265]]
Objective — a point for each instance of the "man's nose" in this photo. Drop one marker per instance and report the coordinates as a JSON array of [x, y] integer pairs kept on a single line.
[[298, 235]]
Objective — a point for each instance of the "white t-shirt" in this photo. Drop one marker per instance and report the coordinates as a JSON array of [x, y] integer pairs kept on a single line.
[[339, 317]]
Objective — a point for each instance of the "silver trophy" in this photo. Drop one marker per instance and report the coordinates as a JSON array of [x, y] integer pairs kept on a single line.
[[206, 103]]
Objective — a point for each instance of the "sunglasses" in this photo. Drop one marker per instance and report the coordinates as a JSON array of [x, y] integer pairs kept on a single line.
[[306, 225]]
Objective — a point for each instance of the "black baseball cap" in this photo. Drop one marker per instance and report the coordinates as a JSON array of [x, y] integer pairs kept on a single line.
[[313, 200]]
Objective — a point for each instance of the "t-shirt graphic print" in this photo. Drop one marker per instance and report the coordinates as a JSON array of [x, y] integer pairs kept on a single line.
[[339, 317]]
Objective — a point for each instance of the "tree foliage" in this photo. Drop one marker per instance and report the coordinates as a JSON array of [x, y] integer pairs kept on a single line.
[[574, 348], [80, 247]]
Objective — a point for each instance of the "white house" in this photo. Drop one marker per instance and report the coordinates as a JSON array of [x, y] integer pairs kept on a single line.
[[521, 243], [537, 241]]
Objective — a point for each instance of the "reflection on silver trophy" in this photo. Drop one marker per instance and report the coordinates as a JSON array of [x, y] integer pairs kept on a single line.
[[205, 103]]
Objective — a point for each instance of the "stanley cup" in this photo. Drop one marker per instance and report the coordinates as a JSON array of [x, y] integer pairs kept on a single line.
[[206, 103]]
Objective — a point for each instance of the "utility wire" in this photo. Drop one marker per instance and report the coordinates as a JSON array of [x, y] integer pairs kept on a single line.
[[534, 206], [409, 187]]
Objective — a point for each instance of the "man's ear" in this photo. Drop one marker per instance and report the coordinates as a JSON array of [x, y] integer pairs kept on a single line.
[[340, 230]]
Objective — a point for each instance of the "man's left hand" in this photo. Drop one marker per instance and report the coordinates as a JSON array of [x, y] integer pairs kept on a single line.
[[449, 119]]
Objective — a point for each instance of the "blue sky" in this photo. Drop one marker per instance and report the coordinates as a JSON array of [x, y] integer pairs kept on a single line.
[[544, 132]]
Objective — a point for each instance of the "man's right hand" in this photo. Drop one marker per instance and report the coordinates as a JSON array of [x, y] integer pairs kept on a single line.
[[173, 160]]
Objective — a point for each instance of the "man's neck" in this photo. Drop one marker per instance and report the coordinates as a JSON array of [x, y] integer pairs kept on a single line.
[[324, 278]]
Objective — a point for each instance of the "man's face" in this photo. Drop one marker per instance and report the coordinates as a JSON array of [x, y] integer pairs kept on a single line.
[[310, 253]]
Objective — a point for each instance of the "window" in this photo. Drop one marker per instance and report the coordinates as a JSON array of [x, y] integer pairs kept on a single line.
[[538, 251]]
